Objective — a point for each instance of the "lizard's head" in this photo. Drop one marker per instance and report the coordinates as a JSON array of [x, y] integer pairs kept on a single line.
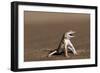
[[69, 34]]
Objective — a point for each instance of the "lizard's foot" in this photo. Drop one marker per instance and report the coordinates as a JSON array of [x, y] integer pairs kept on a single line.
[[76, 54], [67, 56]]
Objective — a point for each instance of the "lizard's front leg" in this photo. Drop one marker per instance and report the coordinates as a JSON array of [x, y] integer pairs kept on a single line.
[[72, 48], [66, 49]]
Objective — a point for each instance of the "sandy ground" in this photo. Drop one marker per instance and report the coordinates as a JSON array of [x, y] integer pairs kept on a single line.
[[43, 32]]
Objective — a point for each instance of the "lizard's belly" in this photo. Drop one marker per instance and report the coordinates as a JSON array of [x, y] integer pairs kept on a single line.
[[66, 41]]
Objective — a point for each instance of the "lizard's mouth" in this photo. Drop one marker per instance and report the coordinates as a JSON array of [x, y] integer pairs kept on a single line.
[[71, 34]]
